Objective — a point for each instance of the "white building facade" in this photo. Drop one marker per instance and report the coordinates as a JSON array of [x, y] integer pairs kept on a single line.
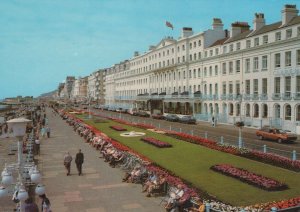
[[240, 74], [91, 87]]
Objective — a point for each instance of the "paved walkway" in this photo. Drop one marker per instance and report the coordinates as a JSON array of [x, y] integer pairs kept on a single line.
[[99, 189]]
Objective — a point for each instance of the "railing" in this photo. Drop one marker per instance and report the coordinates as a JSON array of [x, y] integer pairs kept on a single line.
[[223, 97], [254, 96], [230, 96], [276, 96], [263, 96], [247, 97], [296, 96], [170, 96], [125, 97], [238, 97], [286, 96]]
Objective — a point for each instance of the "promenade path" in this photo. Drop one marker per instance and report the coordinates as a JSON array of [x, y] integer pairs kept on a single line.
[[99, 189]]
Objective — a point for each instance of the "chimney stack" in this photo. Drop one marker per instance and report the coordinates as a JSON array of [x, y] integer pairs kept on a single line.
[[136, 53], [217, 24], [151, 47], [288, 13], [186, 32], [259, 21], [238, 28]]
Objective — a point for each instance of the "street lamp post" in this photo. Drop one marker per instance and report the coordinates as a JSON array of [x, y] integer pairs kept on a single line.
[[19, 130], [90, 116]]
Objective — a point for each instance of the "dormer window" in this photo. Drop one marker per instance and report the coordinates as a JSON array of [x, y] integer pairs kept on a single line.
[[231, 47], [256, 41], [278, 36], [265, 39], [248, 43], [289, 33], [216, 51], [238, 46]]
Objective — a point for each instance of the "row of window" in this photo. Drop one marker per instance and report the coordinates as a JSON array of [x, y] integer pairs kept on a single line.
[[232, 66], [229, 88], [257, 41], [235, 67]]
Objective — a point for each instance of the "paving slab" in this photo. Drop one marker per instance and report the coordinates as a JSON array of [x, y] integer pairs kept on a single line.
[[100, 188]]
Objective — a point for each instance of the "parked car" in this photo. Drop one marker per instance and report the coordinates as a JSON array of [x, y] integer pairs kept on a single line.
[[158, 116], [275, 134], [187, 120], [111, 109], [172, 117], [143, 114], [132, 111], [123, 110]]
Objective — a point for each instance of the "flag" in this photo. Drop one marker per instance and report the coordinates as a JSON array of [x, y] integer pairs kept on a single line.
[[168, 24]]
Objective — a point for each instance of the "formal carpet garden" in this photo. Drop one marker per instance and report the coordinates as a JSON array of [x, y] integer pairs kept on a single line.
[[193, 163]]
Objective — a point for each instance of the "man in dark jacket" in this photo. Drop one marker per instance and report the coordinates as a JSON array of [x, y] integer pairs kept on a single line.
[[79, 161]]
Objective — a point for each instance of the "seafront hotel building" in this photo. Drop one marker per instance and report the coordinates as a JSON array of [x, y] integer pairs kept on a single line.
[[244, 74]]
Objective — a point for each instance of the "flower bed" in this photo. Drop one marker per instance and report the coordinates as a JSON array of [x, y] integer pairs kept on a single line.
[[268, 158], [284, 204], [273, 159], [250, 178], [118, 128], [156, 142]]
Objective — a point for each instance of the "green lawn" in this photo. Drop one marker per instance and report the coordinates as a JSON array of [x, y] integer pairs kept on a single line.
[[192, 162]]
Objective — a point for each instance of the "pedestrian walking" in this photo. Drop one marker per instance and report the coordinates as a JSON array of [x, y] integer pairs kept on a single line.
[[48, 130], [213, 121], [43, 131], [67, 162], [45, 203], [79, 161], [37, 145]]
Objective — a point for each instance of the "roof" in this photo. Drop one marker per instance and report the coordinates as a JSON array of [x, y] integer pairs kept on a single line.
[[239, 36], [264, 29], [295, 20], [219, 42], [267, 28]]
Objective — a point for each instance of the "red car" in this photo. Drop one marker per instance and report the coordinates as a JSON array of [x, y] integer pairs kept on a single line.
[[158, 116], [275, 135]]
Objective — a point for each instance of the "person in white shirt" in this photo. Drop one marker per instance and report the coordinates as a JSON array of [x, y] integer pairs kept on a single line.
[[37, 145]]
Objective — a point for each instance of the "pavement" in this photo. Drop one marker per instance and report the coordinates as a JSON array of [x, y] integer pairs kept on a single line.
[[99, 189]]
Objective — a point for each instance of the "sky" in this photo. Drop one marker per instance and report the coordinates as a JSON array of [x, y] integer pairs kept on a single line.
[[43, 41]]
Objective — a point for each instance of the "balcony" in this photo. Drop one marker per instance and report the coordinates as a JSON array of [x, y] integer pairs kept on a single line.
[[276, 96], [238, 97], [286, 96], [223, 97], [263, 96], [247, 96], [215, 96], [296, 96], [204, 97], [230, 96], [125, 97], [255, 96]]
